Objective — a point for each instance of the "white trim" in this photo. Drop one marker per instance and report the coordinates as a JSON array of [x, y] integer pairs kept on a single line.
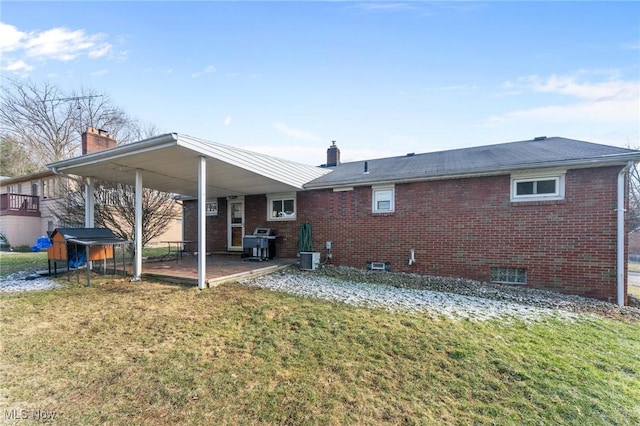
[[235, 199], [137, 271], [202, 223], [282, 197], [374, 200], [558, 177]]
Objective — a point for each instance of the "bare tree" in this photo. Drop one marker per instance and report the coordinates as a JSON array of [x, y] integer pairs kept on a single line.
[[40, 120], [115, 209], [47, 122], [634, 198], [14, 161]]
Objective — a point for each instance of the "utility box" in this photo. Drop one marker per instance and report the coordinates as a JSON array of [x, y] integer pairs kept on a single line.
[[309, 260]]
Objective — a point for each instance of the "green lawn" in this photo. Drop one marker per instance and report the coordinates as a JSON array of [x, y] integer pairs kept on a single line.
[[31, 261], [148, 353]]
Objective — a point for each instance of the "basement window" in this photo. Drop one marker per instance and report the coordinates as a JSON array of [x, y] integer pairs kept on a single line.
[[504, 275], [383, 199], [281, 207], [537, 187]]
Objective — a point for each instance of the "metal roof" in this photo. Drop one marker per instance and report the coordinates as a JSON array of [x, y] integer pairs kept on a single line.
[[86, 234], [170, 163], [475, 161]]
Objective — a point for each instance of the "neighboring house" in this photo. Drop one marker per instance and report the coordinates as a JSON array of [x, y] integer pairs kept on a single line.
[[26, 206], [544, 213], [28, 203]]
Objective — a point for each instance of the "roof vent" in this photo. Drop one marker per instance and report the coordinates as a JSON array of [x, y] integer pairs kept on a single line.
[[411, 154], [539, 138]]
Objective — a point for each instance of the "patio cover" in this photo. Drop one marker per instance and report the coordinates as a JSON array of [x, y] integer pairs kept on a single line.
[[187, 166]]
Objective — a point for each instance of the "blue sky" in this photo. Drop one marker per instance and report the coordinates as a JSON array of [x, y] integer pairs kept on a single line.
[[380, 78]]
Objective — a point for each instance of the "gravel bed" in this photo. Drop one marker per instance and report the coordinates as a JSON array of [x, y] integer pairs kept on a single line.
[[25, 281], [450, 297]]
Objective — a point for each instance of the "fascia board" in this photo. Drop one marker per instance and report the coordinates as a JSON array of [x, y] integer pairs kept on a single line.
[[152, 144]]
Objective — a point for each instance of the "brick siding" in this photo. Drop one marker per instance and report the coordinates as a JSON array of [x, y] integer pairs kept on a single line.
[[458, 227]]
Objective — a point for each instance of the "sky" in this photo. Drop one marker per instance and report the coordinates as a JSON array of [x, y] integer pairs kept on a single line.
[[380, 78]]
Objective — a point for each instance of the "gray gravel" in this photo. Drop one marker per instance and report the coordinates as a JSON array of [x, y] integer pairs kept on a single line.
[[449, 297], [25, 281]]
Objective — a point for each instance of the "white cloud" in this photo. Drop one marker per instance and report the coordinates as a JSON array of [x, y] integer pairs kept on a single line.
[[582, 100], [208, 70], [65, 45], [10, 37], [60, 44], [18, 66], [295, 133], [227, 120]]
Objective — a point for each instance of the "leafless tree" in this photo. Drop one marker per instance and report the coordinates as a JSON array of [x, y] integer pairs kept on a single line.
[[40, 120], [634, 198], [47, 122], [115, 209], [14, 161]]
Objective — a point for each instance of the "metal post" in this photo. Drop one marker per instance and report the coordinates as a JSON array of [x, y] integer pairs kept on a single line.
[[202, 231], [89, 204], [137, 270]]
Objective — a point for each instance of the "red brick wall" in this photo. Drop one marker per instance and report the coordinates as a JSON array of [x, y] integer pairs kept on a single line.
[[461, 227], [94, 140]]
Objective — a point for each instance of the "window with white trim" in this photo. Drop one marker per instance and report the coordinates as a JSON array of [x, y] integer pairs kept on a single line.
[[383, 199], [537, 187], [281, 207]]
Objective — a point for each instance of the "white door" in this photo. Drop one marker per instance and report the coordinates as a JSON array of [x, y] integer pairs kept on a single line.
[[235, 221]]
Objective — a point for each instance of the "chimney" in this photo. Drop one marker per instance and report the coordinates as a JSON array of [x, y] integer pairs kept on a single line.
[[333, 155], [94, 140]]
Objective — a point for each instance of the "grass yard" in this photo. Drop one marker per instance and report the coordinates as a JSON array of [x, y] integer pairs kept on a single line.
[[147, 353]]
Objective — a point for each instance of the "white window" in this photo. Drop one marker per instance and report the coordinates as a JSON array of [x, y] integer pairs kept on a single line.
[[383, 199], [537, 187], [281, 207]]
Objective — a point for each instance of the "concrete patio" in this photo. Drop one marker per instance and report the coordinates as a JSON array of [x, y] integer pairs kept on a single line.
[[220, 268]]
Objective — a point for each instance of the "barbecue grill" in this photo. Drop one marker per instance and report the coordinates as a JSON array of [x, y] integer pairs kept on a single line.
[[261, 245]]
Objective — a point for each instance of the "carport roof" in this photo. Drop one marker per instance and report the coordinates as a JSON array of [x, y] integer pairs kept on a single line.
[[170, 163]]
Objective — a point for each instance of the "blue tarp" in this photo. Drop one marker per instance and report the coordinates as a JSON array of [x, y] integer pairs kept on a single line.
[[41, 244]]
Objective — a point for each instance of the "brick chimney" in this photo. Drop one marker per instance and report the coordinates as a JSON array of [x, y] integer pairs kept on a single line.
[[333, 155], [94, 140]]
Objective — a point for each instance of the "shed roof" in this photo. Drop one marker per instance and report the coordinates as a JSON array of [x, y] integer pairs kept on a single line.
[[85, 234], [480, 160], [169, 163]]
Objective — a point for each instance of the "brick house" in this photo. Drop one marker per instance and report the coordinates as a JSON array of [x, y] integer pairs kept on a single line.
[[545, 213], [540, 213]]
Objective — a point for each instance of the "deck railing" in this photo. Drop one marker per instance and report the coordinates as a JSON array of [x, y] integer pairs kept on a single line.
[[19, 204]]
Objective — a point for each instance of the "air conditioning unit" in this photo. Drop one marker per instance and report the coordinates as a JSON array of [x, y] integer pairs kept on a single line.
[[309, 260]]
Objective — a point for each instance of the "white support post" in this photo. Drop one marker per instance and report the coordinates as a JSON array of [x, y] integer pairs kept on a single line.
[[89, 204], [202, 225], [137, 270]]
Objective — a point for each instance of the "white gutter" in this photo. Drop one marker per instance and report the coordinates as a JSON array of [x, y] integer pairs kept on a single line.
[[620, 271]]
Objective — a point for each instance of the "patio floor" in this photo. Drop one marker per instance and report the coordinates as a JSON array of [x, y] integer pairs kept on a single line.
[[219, 268]]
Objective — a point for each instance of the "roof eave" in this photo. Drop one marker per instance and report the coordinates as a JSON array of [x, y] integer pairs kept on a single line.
[[600, 162], [151, 144]]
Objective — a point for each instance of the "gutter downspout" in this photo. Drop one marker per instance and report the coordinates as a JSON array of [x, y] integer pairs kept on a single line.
[[620, 272]]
